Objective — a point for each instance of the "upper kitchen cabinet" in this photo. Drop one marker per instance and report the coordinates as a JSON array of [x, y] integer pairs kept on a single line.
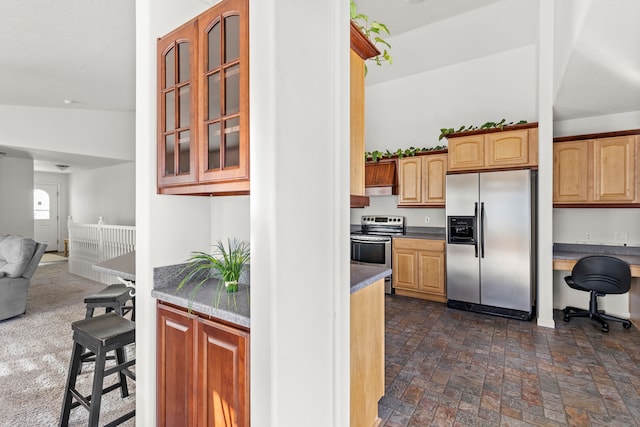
[[494, 149], [361, 50], [422, 180], [596, 170], [212, 146]]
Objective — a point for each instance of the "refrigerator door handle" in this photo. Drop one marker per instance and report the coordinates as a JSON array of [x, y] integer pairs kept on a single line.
[[475, 239], [481, 228]]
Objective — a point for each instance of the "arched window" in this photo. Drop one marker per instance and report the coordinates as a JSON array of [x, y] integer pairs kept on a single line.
[[40, 204]]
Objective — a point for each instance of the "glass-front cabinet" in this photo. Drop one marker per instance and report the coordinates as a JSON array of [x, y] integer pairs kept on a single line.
[[203, 129]]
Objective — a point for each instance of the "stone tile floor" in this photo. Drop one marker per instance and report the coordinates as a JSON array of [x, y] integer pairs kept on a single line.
[[447, 367]]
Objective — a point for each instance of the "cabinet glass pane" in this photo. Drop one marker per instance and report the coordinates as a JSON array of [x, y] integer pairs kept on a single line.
[[232, 142], [169, 68], [213, 161], [184, 143], [232, 90], [169, 111], [169, 159], [214, 96], [183, 62], [185, 106], [231, 38], [213, 39]]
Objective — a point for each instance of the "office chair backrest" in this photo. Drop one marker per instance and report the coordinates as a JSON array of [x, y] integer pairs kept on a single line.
[[603, 274]]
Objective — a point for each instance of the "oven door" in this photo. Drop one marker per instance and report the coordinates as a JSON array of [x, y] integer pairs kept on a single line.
[[372, 250]]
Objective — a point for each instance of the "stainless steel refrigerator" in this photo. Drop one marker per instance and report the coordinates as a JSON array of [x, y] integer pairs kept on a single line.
[[491, 235]]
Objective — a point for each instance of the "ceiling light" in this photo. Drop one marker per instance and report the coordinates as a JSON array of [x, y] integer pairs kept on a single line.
[[69, 101], [62, 167]]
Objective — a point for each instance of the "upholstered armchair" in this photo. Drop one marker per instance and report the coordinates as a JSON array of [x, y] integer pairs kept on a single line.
[[19, 258]]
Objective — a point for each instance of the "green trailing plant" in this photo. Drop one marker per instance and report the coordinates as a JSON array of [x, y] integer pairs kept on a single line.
[[444, 132], [375, 156], [225, 263], [374, 31]]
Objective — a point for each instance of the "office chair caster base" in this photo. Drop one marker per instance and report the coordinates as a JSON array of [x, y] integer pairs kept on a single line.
[[626, 325]]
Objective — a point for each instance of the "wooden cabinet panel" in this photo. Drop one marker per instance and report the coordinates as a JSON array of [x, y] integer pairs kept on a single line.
[[223, 375], [357, 125], [466, 152], [431, 272], [203, 120], [202, 371], [410, 178], [570, 177], [419, 268], [175, 400], [507, 148], [422, 180], [434, 179], [405, 268], [596, 171], [614, 169], [367, 354]]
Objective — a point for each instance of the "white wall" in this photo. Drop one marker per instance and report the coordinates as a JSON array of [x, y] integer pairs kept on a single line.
[[107, 192], [87, 132], [16, 196], [62, 179], [387, 205]]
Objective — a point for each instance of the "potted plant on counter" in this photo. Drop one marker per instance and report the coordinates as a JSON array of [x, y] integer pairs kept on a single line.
[[225, 264]]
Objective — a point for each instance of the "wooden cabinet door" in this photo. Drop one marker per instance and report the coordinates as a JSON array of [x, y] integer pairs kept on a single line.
[[570, 172], [614, 169], [431, 273], [434, 170], [466, 152], [410, 180], [224, 100], [509, 148], [177, 82], [405, 272], [175, 358], [223, 375]]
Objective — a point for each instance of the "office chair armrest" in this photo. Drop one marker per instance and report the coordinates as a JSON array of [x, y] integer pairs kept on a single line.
[[569, 280]]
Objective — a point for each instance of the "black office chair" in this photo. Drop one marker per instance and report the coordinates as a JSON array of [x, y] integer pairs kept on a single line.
[[599, 275]]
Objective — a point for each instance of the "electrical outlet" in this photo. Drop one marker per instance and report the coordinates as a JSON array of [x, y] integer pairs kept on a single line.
[[427, 219], [621, 236], [587, 236]]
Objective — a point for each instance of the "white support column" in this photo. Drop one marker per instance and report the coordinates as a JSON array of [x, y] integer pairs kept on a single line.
[[545, 161], [299, 213]]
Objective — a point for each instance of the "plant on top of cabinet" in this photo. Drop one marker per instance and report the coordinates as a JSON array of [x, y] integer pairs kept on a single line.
[[203, 103], [373, 31], [444, 132], [225, 264], [375, 156]]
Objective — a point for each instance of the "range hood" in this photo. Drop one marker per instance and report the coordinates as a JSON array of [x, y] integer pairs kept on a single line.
[[381, 178]]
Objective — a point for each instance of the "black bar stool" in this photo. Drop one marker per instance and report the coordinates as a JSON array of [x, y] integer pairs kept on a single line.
[[99, 335], [112, 298]]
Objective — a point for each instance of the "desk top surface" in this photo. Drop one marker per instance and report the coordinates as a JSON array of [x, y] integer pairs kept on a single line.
[[123, 266]]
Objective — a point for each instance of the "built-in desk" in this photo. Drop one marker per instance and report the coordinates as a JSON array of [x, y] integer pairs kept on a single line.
[[566, 255]]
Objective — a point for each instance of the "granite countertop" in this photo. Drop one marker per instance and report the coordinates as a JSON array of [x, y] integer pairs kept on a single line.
[[429, 233], [570, 251], [166, 279]]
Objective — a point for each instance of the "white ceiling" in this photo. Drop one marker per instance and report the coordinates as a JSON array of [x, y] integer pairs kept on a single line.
[[84, 51]]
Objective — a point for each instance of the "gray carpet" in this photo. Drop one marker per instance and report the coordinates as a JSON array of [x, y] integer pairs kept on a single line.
[[35, 349]]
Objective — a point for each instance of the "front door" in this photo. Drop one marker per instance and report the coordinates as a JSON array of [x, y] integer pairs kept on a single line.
[[45, 215]]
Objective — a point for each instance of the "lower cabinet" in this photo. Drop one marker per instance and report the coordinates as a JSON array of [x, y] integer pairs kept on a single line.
[[419, 268], [202, 371]]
